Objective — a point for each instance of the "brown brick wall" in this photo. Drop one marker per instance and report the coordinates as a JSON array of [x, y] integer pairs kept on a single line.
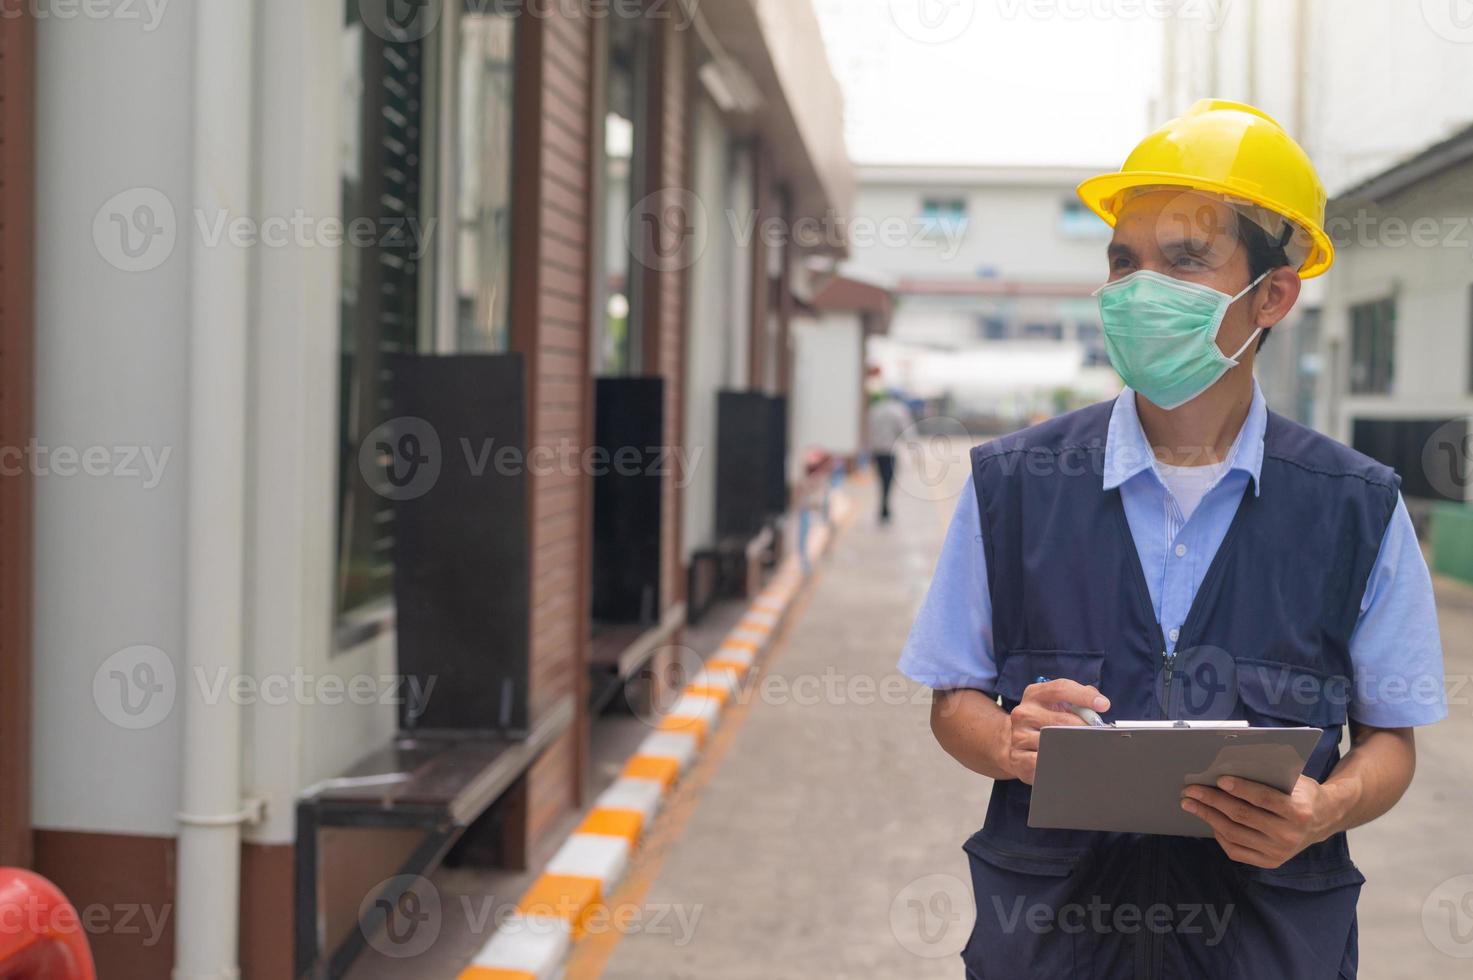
[[546, 802], [550, 315], [666, 285], [125, 883]]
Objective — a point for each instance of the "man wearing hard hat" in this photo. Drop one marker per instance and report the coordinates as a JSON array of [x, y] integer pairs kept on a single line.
[[1128, 557]]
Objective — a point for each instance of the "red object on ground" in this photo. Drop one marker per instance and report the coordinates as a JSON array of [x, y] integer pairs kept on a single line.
[[41, 937]]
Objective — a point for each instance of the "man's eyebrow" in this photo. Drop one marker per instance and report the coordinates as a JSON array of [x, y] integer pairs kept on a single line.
[[1187, 245], [1117, 250]]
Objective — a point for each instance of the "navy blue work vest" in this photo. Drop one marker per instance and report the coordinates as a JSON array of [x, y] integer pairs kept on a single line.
[[1267, 639]]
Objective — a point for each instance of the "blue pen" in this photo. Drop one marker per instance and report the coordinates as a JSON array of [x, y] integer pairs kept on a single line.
[[1088, 715]]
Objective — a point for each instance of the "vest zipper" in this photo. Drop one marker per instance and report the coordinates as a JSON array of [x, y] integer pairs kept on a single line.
[[1168, 669]]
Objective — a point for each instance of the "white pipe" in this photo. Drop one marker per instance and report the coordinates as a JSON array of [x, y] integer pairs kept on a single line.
[[207, 921]]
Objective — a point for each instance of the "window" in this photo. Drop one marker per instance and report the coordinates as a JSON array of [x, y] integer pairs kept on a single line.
[[942, 216], [1092, 339], [1044, 331], [483, 204], [1372, 347], [617, 349], [1078, 221], [386, 297], [993, 328]]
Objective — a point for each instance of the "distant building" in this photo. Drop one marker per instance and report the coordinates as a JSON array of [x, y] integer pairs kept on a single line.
[[1398, 319], [1365, 96], [993, 270]]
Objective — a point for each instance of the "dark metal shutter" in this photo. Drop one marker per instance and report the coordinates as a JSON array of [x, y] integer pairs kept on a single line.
[[381, 308]]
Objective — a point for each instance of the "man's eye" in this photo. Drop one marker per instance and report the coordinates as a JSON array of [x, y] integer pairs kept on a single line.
[[1190, 262]]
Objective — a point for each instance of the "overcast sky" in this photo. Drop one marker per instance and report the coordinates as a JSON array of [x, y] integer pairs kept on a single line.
[[993, 81]]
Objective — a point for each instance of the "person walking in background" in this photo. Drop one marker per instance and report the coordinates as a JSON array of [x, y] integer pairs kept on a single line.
[[889, 420]]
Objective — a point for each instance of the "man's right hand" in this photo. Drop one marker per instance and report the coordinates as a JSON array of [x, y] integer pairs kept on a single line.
[[1043, 704]]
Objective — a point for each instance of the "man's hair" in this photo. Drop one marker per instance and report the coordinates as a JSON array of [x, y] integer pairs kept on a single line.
[[1264, 254]]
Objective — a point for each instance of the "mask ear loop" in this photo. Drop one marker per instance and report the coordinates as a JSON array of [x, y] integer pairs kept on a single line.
[[1253, 336]]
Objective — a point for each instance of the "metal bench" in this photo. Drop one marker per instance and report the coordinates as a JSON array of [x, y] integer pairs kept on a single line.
[[438, 784]]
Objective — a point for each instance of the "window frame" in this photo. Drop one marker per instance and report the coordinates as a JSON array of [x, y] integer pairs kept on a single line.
[[1373, 347], [437, 286], [611, 239]]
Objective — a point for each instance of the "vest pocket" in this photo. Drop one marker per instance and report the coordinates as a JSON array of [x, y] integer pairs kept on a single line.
[[1020, 668], [1297, 921], [1023, 893], [1284, 695], [1278, 695]]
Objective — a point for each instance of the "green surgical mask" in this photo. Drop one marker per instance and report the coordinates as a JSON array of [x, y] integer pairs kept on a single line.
[[1161, 334]]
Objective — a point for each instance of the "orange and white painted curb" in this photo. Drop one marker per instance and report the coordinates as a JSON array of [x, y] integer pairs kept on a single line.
[[533, 943]]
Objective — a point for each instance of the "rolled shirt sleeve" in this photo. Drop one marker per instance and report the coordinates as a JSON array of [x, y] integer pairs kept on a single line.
[[950, 644], [1396, 650]]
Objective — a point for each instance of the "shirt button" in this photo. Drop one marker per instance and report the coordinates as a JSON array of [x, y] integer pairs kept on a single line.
[[1175, 633], [1181, 551]]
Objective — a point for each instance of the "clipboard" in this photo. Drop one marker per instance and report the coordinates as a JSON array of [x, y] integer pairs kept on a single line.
[[1129, 778]]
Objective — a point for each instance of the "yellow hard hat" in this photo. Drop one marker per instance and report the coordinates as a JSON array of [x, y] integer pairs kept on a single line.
[[1230, 149]]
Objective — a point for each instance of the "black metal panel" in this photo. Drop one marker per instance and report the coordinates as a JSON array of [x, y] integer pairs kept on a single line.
[[743, 421], [462, 563], [629, 430], [703, 579], [776, 461], [1401, 443]]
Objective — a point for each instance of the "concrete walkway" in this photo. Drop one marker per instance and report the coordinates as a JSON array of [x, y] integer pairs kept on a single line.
[[828, 841], [824, 839]]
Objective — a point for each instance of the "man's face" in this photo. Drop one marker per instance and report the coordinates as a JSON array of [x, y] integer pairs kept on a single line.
[[1193, 237]]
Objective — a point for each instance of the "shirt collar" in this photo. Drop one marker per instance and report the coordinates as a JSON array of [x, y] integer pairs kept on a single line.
[[1127, 452]]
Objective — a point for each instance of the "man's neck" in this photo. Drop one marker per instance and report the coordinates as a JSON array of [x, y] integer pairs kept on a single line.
[[1203, 430]]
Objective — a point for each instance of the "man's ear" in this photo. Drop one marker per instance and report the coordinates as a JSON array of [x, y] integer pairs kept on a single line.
[[1278, 294]]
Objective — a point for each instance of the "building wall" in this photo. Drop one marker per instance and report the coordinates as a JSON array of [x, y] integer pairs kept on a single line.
[[1359, 92], [828, 366], [17, 341], [1012, 230], [1434, 322], [665, 293], [551, 325], [110, 371]]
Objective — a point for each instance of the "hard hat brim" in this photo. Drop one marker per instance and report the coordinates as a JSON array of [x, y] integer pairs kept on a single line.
[[1103, 195]]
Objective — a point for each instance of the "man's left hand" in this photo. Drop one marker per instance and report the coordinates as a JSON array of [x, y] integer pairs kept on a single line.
[[1257, 824]]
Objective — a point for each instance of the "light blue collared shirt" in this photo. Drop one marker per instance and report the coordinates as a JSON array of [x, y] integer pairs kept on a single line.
[[1395, 649]]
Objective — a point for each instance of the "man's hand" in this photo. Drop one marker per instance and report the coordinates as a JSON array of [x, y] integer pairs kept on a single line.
[[1043, 704], [1257, 824]]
